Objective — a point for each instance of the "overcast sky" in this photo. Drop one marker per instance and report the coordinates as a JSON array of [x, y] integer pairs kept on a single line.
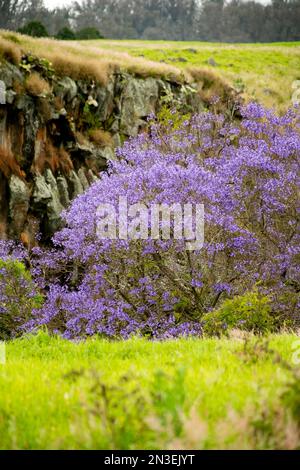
[[58, 3]]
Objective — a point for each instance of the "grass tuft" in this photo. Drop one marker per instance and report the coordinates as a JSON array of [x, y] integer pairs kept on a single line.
[[210, 85], [101, 138], [36, 85]]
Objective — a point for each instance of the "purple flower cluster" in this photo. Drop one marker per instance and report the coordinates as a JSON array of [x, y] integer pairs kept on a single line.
[[246, 174]]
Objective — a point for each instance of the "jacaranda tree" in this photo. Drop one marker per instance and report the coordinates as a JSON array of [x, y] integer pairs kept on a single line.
[[247, 176]]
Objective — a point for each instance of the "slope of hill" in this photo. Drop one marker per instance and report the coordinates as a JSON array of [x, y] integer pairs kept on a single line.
[[263, 72]]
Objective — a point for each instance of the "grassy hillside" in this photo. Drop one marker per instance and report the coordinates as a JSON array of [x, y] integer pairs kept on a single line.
[[265, 72], [186, 393]]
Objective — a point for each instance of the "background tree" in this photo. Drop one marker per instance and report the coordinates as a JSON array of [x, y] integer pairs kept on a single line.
[[9, 11], [34, 28], [89, 33], [66, 34]]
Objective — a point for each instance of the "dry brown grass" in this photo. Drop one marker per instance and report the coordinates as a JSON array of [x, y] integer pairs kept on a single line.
[[65, 162], [9, 165], [11, 36], [124, 62], [18, 87], [10, 51], [3, 230], [44, 109], [257, 427], [47, 158], [82, 62], [210, 84], [101, 138], [36, 86], [81, 139], [53, 158], [58, 103], [80, 68]]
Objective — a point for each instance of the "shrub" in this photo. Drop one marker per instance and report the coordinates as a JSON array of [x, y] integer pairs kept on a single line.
[[88, 33], [251, 312], [36, 85], [66, 34], [247, 177], [18, 295], [89, 117], [30, 63], [35, 29]]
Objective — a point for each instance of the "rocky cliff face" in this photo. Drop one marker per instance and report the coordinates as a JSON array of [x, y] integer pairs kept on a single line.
[[56, 136]]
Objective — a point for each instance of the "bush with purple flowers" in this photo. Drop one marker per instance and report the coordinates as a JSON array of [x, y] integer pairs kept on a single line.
[[247, 176]]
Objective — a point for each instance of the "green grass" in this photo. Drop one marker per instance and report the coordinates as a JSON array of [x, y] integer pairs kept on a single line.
[[137, 394]]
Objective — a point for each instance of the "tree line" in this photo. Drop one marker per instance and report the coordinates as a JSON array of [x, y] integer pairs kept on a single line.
[[206, 20]]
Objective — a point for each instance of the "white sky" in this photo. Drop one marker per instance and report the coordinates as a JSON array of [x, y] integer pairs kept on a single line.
[[57, 3]]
